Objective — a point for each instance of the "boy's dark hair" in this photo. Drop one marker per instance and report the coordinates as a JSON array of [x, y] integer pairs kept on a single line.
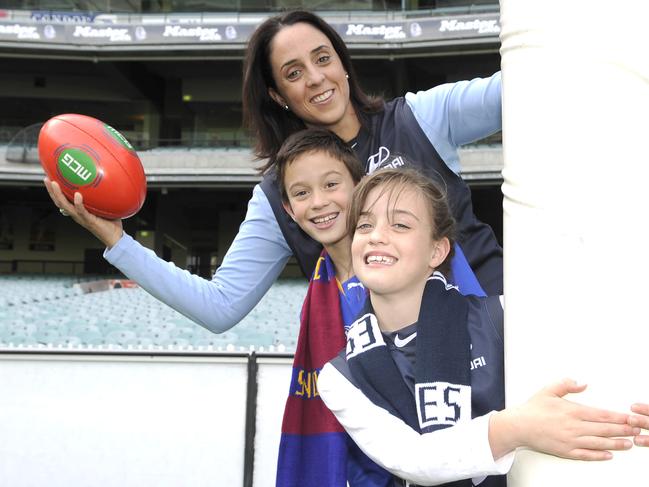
[[269, 123], [394, 182], [314, 140]]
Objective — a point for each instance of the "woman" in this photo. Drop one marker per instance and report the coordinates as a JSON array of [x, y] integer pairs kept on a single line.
[[298, 73]]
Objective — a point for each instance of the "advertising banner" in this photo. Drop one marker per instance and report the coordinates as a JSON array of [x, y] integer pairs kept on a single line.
[[72, 30]]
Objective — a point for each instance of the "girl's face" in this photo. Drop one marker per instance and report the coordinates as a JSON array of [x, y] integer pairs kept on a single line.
[[319, 189], [393, 251], [311, 80]]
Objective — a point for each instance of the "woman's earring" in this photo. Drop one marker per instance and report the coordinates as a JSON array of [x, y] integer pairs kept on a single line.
[[286, 107], [346, 76]]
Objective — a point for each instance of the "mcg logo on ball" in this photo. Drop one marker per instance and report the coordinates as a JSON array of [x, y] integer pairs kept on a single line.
[[76, 167]]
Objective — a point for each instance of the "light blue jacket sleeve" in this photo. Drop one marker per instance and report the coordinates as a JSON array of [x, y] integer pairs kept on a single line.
[[252, 264], [454, 114]]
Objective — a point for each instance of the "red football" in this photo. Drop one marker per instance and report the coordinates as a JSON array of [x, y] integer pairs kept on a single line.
[[86, 155]]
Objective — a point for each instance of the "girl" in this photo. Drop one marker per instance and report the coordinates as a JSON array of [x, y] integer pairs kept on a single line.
[[421, 357]]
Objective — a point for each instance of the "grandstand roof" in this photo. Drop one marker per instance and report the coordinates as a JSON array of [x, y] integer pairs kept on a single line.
[[203, 167], [99, 37]]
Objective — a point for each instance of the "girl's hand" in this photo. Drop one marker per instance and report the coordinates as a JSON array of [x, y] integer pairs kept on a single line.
[[550, 424], [108, 231], [640, 420]]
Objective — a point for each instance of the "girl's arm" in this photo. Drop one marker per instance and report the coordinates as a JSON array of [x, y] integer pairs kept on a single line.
[[454, 114], [249, 268], [551, 424], [640, 420], [477, 448]]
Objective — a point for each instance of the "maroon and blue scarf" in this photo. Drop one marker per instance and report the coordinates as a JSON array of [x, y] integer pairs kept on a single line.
[[313, 447]]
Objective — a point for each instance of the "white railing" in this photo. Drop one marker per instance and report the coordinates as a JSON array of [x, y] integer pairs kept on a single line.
[[131, 420]]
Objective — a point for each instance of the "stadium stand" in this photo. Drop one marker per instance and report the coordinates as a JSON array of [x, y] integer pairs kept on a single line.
[[167, 391], [176, 97], [56, 312]]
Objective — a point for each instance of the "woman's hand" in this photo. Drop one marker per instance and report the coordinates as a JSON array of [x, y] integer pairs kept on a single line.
[[550, 424], [108, 231], [640, 420]]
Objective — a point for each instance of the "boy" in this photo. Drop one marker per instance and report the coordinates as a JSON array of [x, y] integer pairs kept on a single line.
[[317, 172]]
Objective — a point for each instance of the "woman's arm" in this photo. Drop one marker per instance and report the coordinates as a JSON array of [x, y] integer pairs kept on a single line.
[[454, 114], [249, 268]]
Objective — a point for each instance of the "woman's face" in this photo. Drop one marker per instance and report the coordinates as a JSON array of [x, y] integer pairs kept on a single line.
[[311, 80]]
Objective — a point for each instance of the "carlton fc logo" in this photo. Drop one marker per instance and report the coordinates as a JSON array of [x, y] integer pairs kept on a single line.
[[383, 159]]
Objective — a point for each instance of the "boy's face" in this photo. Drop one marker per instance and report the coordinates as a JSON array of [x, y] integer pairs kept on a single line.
[[319, 190], [393, 251]]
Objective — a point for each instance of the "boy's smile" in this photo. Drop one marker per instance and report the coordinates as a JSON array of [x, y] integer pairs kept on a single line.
[[325, 221]]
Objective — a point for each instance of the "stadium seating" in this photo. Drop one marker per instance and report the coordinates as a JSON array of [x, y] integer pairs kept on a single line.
[[53, 311]]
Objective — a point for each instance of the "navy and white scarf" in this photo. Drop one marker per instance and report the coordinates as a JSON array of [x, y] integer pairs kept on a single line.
[[442, 368]]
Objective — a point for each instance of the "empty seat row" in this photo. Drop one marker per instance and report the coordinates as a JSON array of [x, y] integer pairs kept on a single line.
[[53, 312]]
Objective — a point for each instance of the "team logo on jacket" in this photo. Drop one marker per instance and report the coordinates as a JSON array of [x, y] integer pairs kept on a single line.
[[383, 159], [363, 335], [442, 403]]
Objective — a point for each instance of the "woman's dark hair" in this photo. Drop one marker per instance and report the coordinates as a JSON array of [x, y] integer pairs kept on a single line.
[[315, 140], [394, 182], [269, 123]]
